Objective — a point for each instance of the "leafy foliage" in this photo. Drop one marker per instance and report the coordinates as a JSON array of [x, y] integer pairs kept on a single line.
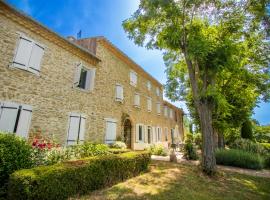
[[15, 154], [190, 152], [246, 130], [239, 158], [71, 178], [248, 146], [262, 133], [119, 145], [158, 149]]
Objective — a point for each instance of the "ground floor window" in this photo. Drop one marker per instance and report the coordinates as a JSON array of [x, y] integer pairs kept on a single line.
[[149, 134], [15, 118], [159, 136], [139, 133], [76, 128], [110, 134], [166, 133], [172, 135]]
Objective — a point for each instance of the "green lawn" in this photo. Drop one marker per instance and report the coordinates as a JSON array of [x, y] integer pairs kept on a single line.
[[167, 181]]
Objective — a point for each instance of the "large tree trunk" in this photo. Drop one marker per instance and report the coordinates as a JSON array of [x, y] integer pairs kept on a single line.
[[221, 143], [208, 154]]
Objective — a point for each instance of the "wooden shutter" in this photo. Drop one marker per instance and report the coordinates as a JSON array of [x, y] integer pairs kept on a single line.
[[137, 100], [73, 131], [77, 75], [90, 79], [23, 53], [82, 129], [110, 136], [158, 108], [35, 58], [8, 116], [119, 93], [149, 104], [24, 121]]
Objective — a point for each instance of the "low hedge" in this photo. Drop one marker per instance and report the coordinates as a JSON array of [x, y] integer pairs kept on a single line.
[[118, 151], [239, 158], [71, 178]]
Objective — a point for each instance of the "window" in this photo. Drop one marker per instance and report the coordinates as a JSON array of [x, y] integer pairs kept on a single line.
[[159, 136], [166, 111], [76, 128], [139, 133], [84, 78], [15, 118], [171, 113], [149, 85], [157, 91], [119, 93], [110, 135], [28, 55], [133, 78], [149, 134], [149, 104], [137, 100], [158, 108], [166, 133], [172, 135]]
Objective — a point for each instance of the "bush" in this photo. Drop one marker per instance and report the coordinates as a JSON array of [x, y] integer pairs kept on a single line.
[[246, 130], [267, 161], [239, 158], [190, 152], [158, 149], [189, 138], [117, 151], [93, 149], [266, 146], [119, 145], [198, 140], [72, 178], [15, 154], [248, 145]]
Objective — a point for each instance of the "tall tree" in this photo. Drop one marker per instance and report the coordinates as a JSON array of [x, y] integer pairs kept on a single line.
[[201, 32]]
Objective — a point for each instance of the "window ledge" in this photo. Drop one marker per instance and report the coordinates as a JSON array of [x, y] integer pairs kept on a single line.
[[14, 67], [136, 106]]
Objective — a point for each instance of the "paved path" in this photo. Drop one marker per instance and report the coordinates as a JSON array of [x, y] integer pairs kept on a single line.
[[180, 159]]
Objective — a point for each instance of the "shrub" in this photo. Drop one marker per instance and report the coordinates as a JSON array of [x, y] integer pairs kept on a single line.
[[119, 145], [117, 151], [246, 130], [267, 161], [189, 138], [92, 149], [71, 178], [239, 158], [15, 154], [158, 149], [190, 152], [248, 145], [198, 140], [266, 146]]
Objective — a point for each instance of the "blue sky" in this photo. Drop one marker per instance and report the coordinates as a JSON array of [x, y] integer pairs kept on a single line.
[[104, 18]]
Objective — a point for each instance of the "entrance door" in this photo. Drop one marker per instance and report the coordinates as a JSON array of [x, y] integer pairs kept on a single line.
[[127, 133]]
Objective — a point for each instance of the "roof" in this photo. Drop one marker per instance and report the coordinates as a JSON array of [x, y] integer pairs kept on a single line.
[[21, 14], [171, 105]]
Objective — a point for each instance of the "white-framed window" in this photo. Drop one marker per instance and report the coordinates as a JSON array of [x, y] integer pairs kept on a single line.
[[110, 133], [157, 91], [137, 100], [28, 54], [140, 132], [172, 135], [166, 133], [149, 134], [84, 77], [148, 85], [15, 118], [76, 128], [119, 93], [171, 113], [166, 111], [149, 104], [133, 78], [158, 108], [159, 134]]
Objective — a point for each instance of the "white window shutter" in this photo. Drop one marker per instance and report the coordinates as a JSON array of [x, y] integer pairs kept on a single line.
[[137, 100], [158, 108], [137, 133], [149, 104], [73, 130], [110, 136], [82, 129], [77, 75], [24, 121], [8, 116], [119, 93], [35, 58], [90, 79], [23, 53], [145, 134]]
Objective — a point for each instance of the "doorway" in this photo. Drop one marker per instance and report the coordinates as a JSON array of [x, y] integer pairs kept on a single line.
[[127, 133]]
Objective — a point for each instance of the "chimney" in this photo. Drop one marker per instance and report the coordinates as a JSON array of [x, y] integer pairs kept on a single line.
[[71, 38]]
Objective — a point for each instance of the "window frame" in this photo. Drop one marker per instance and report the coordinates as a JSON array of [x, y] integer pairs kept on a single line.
[[121, 100], [134, 75]]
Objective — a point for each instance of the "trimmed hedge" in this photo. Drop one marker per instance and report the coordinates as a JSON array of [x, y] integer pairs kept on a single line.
[[71, 178], [239, 158]]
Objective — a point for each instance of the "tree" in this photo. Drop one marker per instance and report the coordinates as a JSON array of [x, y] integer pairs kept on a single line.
[[200, 33], [246, 130]]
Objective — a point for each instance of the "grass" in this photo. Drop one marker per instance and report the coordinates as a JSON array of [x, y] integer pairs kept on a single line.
[[186, 182]]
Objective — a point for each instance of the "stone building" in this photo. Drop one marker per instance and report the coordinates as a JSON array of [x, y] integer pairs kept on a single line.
[[78, 90]]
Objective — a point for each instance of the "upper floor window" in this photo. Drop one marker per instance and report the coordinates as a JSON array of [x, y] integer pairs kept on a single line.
[[149, 104], [158, 108], [171, 113], [148, 85], [84, 77], [133, 78], [28, 55], [76, 128], [166, 111], [158, 91], [137, 100], [15, 118], [119, 93]]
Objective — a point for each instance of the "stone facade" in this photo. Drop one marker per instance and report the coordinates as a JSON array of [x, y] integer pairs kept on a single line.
[[52, 93]]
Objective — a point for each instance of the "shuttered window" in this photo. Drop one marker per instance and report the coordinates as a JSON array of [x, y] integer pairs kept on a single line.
[[137, 100], [148, 85], [84, 77], [149, 134], [165, 111], [171, 113], [166, 133], [28, 55], [15, 118], [159, 134], [157, 91], [133, 78], [172, 135], [149, 104], [158, 108], [119, 93], [140, 133], [76, 128], [110, 134]]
